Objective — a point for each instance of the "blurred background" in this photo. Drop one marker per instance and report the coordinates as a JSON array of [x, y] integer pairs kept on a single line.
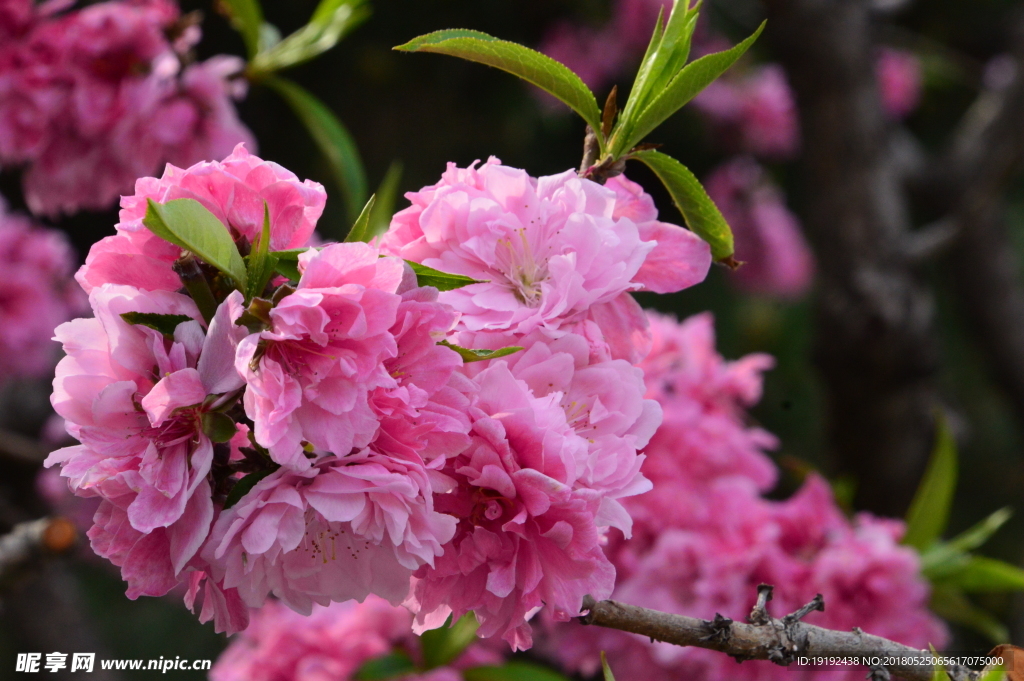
[[877, 202]]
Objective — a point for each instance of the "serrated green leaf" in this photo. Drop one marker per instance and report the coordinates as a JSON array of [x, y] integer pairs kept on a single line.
[[442, 645], [684, 86], [513, 671], [243, 486], [246, 17], [469, 355], [605, 669], [442, 281], [388, 666], [929, 511], [360, 230], [387, 198], [218, 427], [699, 211], [330, 22], [982, 575], [951, 604], [333, 140], [188, 224], [164, 323], [549, 75]]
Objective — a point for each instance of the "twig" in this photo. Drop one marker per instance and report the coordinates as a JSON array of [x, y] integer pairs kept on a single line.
[[20, 449], [33, 538], [765, 638]]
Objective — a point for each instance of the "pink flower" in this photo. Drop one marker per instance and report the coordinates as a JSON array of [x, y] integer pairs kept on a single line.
[[37, 294], [233, 189], [899, 81], [345, 528], [777, 260], [332, 643], [136, 398], [526, 535]]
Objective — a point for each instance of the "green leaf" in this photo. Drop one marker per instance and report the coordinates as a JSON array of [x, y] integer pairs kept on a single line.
[[608, 676], [188, 224], [669, 98], [938, 671], [260, 263], [360, 230], [442, 281], [977, 535], [243, 486], [288, 268], [942, 559], [388, 666], [218, 427], [479, 355], [513, 671], [549, 75], [387, 197], [164, 323], [929, 511], [332, 138], [982, 575], [246, 17], [699, 211], [442, 645], [331, 21], [950, 603]]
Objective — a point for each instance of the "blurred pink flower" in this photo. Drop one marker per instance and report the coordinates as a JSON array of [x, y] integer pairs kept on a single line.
[[38, 294], [234, 190], [777, 260], [330, 645], [899, 81]]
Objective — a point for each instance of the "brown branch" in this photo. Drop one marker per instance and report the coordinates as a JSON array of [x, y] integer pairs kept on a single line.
[[766, 638]]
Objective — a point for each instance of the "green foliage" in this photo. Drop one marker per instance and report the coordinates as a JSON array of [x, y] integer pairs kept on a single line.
[[164, 323], [218, 427], [549, 75], [332, 138], [389, 666], [331, 21], [387, 198], [188, 224], [442, 281], [513, 671], [929, 511], [442, 645], [360, 230], [700, 212], [261, 264], [605, 669], [243, 486], [950, 603], [246, 17], [479, 355]]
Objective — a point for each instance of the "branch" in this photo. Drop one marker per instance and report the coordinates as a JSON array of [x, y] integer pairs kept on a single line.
[[34, 538], [766, 638]]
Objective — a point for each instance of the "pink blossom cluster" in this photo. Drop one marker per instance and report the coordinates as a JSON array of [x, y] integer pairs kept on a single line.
[[94, 98], [704, 538], [321, 443], [777, 260], [555, 428], [333, 643], [38, 294]]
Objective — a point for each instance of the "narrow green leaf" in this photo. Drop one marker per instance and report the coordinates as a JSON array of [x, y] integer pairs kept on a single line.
[[243, 486], [608, 676], [442, 281], [513, 671], [288, 268], [388, 666], [699, 211], [164, 323], [331, 21], [332, 138], [549, 75], [188, 224], [260, 267], [981, 574], [387, 198], [978, 534], [246, 17], [996, 673], [929, 510], [938, 671], [683, 87], [360, 230], [442, 645], [951, 604], [218, 427], [479, 355]]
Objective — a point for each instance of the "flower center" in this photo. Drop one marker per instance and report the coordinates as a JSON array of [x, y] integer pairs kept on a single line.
[[523, 271]]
